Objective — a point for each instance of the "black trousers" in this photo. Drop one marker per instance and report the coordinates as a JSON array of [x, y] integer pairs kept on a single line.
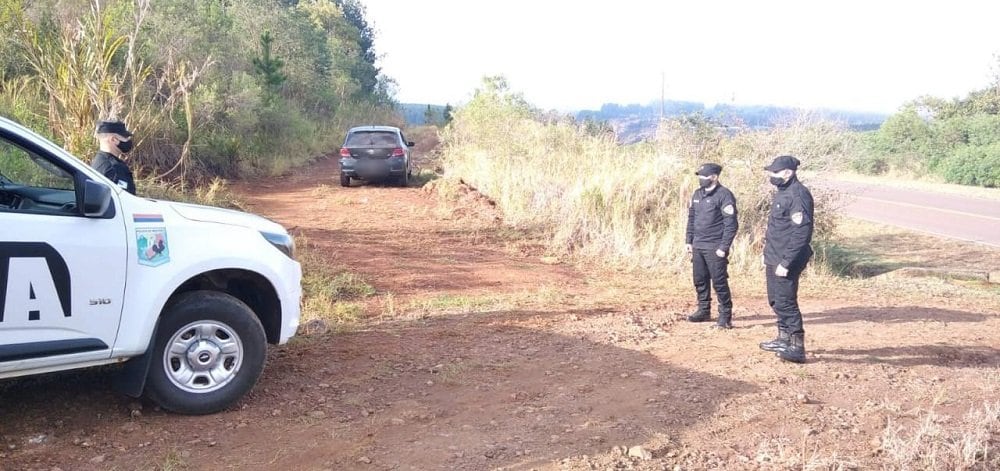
[[711, 269], [783, 296]]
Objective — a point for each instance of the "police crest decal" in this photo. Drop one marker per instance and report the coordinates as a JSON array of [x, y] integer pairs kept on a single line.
[[151, 244]]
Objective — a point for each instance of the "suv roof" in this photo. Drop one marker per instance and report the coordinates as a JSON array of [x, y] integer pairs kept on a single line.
[[373, 128]]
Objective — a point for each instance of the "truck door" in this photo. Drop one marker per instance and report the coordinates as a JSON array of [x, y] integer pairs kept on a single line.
[[62, 275]]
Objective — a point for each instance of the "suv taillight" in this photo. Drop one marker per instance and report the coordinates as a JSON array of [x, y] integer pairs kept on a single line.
[[397, 152], [344, 152]]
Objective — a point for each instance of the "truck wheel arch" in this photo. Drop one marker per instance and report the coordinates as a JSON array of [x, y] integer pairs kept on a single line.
[[247, 286]]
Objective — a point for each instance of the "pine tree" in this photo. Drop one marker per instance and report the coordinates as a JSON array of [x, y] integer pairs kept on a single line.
[[447, 113], [269, 68], [429, 116]]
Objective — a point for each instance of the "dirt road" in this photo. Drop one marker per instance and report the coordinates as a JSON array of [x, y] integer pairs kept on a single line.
[[952, 216], [483, 357]]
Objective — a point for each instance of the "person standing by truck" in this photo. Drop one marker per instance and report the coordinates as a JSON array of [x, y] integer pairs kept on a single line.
[[114, 140]]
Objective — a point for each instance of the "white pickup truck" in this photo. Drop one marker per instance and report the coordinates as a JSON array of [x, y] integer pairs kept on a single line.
[[188, 297]]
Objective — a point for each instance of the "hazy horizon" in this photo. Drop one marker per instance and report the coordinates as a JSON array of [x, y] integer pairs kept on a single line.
[[656, 102]]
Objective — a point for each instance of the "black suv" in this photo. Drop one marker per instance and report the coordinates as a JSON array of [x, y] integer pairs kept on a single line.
[[375, 153]]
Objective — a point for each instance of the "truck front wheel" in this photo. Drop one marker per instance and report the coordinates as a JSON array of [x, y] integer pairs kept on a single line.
[[209, 351]]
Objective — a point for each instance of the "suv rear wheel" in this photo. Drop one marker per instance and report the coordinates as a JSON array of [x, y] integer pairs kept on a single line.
[[209, 351], [345, 180]]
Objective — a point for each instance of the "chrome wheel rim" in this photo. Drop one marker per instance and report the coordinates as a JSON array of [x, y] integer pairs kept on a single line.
[[203, 356]]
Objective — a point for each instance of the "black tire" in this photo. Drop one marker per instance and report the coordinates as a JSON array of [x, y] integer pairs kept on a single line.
[[345, 180], [229, 323], [403, 180]]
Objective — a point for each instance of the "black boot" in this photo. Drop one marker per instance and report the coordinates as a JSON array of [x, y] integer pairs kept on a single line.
[[779, 344], [725, 321], [700, 316], [796, 351]]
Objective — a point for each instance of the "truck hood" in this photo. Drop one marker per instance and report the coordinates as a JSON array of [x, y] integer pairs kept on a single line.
[[230, 217]]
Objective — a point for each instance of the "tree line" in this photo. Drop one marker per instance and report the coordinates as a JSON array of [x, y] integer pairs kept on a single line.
[[210, 87], [957, 140]]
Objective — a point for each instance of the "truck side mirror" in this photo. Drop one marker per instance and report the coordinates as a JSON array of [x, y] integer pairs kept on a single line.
[[96, 199]]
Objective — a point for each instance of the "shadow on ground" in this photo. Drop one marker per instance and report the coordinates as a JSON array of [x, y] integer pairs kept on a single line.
[[891, 315], [882, 315], [953, 356], [465, 392]]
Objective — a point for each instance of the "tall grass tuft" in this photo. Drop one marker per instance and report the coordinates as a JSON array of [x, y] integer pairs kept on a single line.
[[628, 203], [934, 444]]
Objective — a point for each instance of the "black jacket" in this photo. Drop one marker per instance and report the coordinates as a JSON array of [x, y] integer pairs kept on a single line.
[[116, 170], [790, 226], [712, 219]]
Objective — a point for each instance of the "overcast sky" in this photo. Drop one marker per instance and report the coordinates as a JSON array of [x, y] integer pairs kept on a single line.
[[568, 55]]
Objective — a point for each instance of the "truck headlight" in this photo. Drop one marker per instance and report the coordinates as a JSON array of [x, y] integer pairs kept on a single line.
[[283, 242]]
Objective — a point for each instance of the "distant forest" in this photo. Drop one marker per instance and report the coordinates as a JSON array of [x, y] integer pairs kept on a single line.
[[635, 122], [417, 114], [754, 116]]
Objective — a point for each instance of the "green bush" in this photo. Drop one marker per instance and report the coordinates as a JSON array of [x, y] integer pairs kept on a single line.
[[953, 139], [974, 165]]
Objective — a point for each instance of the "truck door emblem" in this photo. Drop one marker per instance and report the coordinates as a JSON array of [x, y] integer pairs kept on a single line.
[[152, 247], [100, 302]]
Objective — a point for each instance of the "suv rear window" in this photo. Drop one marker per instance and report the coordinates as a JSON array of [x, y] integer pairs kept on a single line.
[[372, 138]]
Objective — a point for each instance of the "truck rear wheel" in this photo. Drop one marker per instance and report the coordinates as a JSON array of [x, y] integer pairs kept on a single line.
[[345, 180], [209, 351]]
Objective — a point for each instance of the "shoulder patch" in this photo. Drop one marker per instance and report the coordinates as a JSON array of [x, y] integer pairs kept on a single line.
[[797, 217], [729, 209]]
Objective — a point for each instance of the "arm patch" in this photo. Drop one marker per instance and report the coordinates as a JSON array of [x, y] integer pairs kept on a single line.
[[729, 209], [797, 218]]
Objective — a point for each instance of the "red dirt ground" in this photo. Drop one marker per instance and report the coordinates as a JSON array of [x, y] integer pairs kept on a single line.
[[561, 380]]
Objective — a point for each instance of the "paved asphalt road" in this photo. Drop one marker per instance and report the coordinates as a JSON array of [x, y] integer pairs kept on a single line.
[[952, 216]]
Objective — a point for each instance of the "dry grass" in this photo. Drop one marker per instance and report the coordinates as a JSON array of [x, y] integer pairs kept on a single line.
[[332, 297], [214, 193], [544, 296], [932, 442], [623, 208], [624, 204], [784, 453], [936, 442]]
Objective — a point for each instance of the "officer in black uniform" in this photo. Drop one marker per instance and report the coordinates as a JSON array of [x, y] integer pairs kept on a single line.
[[786, 252], [711, 227], [114, 140]]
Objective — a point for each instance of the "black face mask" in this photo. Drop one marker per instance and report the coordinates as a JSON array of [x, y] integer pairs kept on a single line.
[[777, 181], [705, 182], [125, 146]]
